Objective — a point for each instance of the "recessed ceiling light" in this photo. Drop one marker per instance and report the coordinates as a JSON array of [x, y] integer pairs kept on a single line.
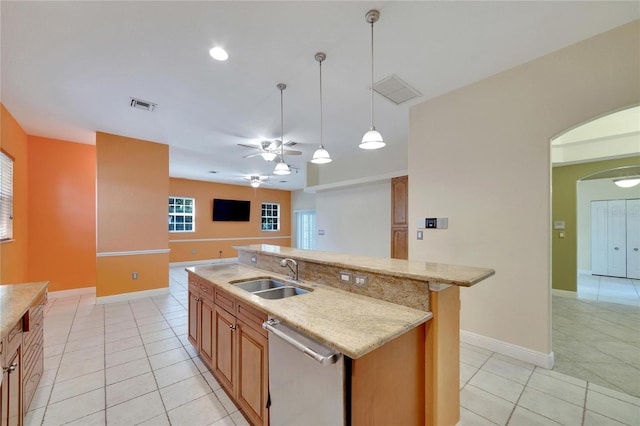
[[219, 54]]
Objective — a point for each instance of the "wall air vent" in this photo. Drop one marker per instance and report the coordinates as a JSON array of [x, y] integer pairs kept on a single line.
[[395, 89], [140, 104]]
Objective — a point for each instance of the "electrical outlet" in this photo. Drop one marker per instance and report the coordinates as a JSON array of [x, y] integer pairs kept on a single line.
[[419, 236], [194, 251], [134, 276], [360, 280], [254, 259], [345, 277]]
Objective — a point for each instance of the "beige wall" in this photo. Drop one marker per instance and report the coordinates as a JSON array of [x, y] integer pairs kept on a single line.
[[481, 156]]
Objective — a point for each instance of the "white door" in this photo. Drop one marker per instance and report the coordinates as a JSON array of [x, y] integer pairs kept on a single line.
[[633, 239], [617, 238], [599, 238]]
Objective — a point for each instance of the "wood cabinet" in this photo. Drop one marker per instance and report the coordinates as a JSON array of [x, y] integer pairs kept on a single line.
[[399, 217], [32, 351], [229, 335]]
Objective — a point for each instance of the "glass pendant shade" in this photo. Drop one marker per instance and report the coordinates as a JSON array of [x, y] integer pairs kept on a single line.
[[268, 156], [281, 169], [627, 182], [255, 184], [321, 156], [372, 140]]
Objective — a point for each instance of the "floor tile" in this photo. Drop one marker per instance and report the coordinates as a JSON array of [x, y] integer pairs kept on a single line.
[[156, 326], [558, 388], [95, 419], [508, 370], [614, 394], [185, 391], [164, 359], [497, 385], [72, 369], [41, 397], [134, 387], [34, 417], [485, 404], [136, 410], [120, 345], [202, 411], [122, 357], [154, 336], [74, 408], [473, 357], [523, 417], [612, 407], [467, 418], [160, 420], [160, 346], [121, 334], [551, 407], [175, 373], [77, 386], [126, 371]]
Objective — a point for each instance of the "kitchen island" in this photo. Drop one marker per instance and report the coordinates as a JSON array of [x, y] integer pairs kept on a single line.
[[396, 322]]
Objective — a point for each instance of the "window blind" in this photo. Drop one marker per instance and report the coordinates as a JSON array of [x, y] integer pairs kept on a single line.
[[6, 197]]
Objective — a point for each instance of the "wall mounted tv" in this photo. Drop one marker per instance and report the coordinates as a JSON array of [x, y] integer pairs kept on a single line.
[[231, 210]]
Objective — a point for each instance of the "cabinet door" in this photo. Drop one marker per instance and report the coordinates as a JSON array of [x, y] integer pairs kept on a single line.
[[253, 370], [399, 200], [224, 333], [617, 238], [633, 239], [400, 241], [194, 313], [12, 391], [599, 252], [206, 332]]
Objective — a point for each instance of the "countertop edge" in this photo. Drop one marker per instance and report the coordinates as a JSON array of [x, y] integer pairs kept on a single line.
[[8, 323]]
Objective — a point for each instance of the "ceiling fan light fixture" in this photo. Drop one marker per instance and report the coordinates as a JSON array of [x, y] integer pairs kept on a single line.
[[627, 182], [372, 139], [282, 169], [269, 156], [255, 181]]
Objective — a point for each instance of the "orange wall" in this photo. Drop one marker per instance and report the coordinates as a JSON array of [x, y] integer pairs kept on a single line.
[[233, 233], [13, 254], [132, 196], [62, 225]]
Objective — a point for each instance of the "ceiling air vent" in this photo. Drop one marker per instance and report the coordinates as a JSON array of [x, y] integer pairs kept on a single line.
[[395, 89], [140, 104]]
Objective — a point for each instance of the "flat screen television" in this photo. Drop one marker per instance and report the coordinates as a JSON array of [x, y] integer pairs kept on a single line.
[[231, 210]]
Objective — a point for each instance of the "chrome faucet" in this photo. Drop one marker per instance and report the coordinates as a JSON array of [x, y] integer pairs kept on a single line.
[[288, 262]]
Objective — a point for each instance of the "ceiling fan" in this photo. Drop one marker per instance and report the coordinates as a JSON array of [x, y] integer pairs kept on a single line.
[[255, 180], [269, 150]]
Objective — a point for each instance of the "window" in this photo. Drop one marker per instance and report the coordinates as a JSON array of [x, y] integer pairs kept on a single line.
[[270, 217], [6, 197], [182, 211], [306, 229]]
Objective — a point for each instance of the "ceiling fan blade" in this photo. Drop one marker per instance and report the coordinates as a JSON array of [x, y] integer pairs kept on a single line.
[[248, 146], [252, 155], [291, 143], [291, 152]]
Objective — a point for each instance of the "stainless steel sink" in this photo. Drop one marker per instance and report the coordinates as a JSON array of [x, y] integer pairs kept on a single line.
[[269, 288], [260, 285], [281, 292]]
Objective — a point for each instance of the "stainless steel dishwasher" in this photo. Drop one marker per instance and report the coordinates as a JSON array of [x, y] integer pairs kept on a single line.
[[306, 379]]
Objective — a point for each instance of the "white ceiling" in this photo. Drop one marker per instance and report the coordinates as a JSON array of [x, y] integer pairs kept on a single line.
[[69, 68]]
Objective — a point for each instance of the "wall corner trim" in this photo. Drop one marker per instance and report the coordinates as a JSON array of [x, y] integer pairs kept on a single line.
[[123, 297], [539, 359]]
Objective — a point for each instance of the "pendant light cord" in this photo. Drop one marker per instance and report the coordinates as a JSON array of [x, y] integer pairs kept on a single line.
[[321, 145], [372, 128], [282, 126]]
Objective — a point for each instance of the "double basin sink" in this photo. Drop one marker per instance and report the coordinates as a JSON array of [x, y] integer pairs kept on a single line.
[[270, 288]]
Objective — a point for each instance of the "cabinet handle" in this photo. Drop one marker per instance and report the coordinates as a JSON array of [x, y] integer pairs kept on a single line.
[[233, 327], [635, 249], [197, 299], [10, 368], [616, 248]]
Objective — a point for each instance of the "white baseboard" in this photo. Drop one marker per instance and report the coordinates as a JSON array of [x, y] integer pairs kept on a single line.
[[204, 262], [131, 296], [514, 351], [564, 293], [71, 293]]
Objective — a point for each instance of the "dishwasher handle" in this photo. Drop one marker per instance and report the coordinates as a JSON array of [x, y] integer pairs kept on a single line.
[[329, 359]]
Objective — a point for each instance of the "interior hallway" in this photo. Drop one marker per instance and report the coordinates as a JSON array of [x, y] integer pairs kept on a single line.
[[131, 363]]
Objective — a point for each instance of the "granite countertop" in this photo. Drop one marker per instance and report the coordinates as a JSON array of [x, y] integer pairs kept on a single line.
[[352, 324], [464, 276], [15, 300]]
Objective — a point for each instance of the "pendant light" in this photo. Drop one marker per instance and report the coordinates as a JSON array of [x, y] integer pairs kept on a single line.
[[281, 168], [321, 156], [372, 139]]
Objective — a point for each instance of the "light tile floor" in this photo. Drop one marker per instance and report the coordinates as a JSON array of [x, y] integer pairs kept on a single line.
[[131, 363], [596, 337]]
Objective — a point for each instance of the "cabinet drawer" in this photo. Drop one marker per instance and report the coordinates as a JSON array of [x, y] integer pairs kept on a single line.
[[252, 317], [35, 326], [30, 351], [206, 290], [30, 382], [225, 301], [14, 337]]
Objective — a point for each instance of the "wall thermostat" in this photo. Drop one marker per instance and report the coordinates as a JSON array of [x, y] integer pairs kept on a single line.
[[433, 223]]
